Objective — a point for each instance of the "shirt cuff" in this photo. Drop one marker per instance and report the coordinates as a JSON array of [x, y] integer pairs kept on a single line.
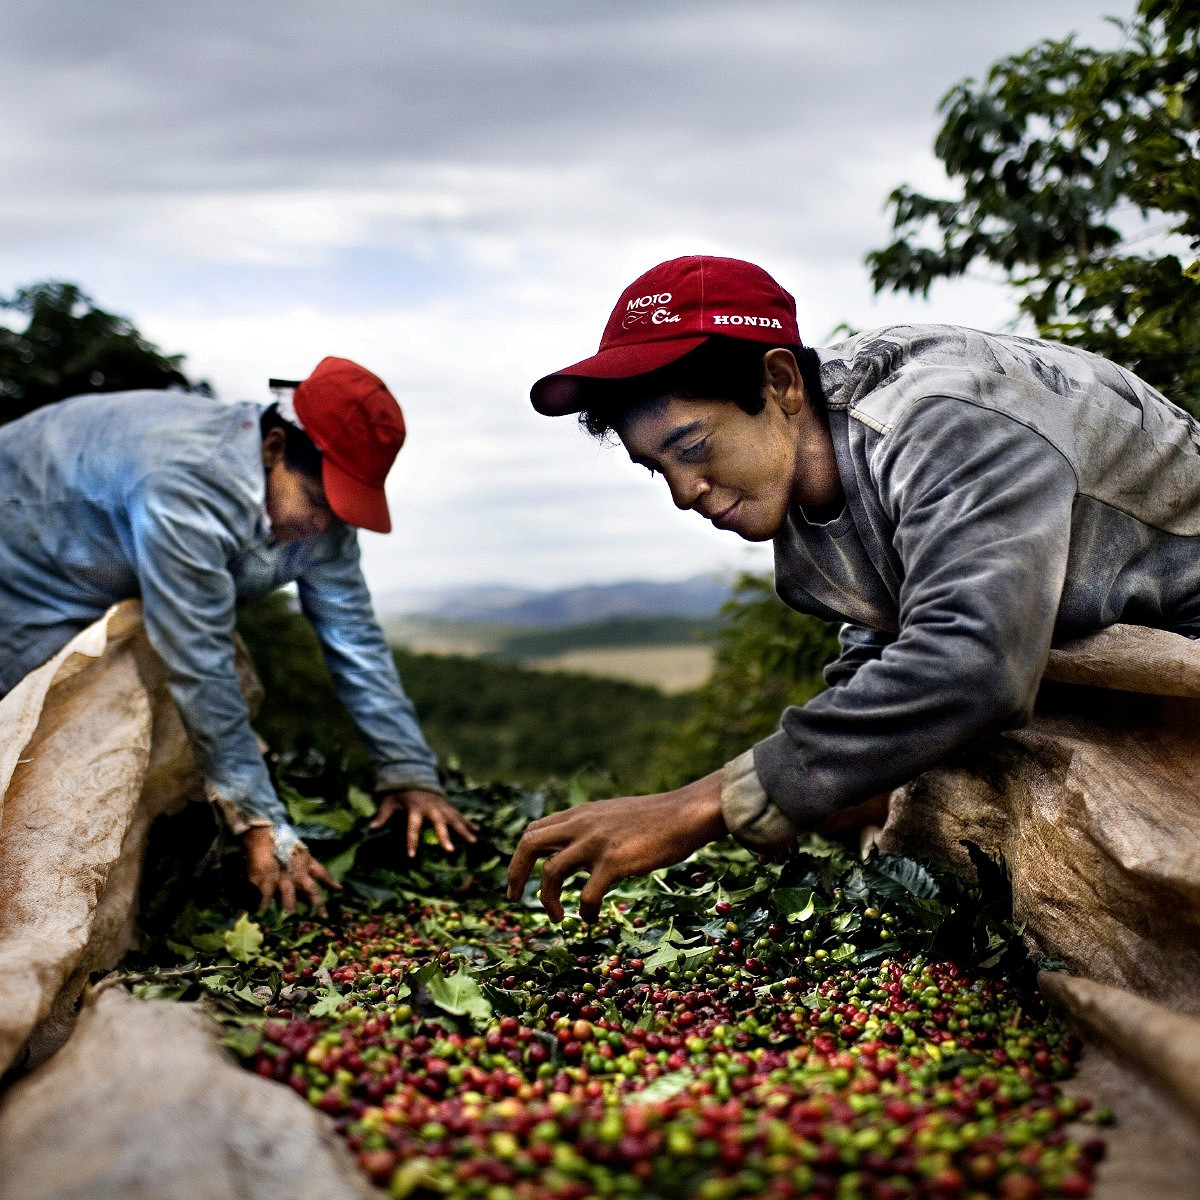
[[400, 782], [285, 838], [287, 842], [237, 820], [751, 817]]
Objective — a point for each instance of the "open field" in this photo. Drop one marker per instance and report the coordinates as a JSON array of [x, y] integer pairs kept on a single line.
[[432, 635], [671, 669], [663, 653], [490, 717]]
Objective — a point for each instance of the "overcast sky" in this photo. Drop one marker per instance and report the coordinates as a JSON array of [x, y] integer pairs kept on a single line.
[[454, 193]]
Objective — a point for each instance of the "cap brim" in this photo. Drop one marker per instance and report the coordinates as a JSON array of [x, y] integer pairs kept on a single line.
[[566, 391], [354, 502]]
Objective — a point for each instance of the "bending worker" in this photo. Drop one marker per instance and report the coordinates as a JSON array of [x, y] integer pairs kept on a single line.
[[959, 500], [195, 506]]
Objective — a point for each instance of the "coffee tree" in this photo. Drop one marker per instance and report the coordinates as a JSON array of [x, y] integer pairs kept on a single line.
[[1078, 177]]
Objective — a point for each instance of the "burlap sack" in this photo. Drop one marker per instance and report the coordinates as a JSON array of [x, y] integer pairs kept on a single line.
[[1095, 807], [142, 1104], [92, 750]]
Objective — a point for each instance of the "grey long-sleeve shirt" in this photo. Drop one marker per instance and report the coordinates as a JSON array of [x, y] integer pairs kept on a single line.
[[1001, 493]]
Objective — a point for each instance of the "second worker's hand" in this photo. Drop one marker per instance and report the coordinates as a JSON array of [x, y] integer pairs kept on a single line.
[[421, 806], [303, 874], [611, 840]]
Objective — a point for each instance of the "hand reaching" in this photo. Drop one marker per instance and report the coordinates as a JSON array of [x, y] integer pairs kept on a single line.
[[303, 873], [613, 839], [424, 806]]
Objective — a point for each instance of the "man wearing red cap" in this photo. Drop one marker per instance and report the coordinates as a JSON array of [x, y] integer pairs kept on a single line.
[[196, 506], [958, 500]]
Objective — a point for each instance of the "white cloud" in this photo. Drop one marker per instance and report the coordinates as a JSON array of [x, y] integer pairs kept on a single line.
[[455, 194]]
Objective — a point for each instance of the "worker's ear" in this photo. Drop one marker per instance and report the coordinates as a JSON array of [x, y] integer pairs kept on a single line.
[[782, 382], [272, 447]]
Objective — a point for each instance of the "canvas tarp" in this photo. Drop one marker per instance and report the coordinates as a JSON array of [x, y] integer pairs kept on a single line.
[[141, 1101], [91, 751], [143, 1104]]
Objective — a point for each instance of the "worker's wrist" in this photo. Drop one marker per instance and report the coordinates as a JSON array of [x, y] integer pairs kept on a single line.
[[282, 840], [701, 801]]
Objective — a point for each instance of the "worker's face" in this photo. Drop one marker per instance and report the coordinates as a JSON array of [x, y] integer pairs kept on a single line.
[[741, 471], [296, 503]]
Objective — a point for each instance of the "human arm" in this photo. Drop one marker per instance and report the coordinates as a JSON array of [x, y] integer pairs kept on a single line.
[[183, 527], [981, 509], [859, 645], [334, 597]]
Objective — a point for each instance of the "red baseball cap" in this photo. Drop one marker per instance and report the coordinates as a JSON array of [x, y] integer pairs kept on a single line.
[[668, 311], [357, 425]]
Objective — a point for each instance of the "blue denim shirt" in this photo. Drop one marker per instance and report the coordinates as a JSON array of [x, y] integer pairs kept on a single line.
[[161, 495]]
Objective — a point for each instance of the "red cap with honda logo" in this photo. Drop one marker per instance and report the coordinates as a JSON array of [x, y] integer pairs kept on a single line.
[[667, 312], [357, 425]]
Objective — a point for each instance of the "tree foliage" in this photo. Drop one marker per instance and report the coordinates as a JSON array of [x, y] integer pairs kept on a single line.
[[767, 657], [1080, 181], [69, 346]]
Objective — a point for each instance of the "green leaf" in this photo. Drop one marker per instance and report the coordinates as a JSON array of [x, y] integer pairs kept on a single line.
[[309, 810], [159, 991], [794, 904], [245, 992], [331, 1000], [209, 943], [217, 983], [244, 940], [815, 846], [912, 879], [361, 803], [843, 952], [668, 956], [371, 891], [663, 1088], [340, 865], [458, 995], [244, 1042]]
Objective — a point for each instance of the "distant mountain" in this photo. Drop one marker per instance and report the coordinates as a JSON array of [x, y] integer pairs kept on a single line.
[[699, 597]]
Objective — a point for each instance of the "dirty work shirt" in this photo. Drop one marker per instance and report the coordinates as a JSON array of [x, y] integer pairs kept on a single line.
[[161, 495], [1001, 493]]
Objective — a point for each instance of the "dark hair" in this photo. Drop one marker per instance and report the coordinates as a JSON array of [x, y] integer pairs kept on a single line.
[[299, 450], [720, 368]]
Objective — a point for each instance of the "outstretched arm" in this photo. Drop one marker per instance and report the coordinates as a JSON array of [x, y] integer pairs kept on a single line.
[[982, 507], [334, 597], [183, 528]]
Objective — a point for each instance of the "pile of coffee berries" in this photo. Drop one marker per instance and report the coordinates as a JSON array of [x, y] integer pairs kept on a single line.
[[736, 1068]]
